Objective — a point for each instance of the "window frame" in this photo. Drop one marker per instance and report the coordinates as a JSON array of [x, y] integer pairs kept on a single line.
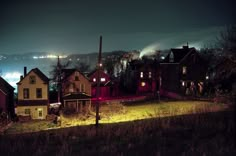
[[39, 92], [32, 79], [26, 93]]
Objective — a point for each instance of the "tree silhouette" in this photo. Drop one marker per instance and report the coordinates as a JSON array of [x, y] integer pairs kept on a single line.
[[227, 41]]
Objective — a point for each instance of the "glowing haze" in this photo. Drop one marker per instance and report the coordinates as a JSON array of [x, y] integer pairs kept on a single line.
[[150, 49]]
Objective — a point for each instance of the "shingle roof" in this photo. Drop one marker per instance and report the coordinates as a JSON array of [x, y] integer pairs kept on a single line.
[[68, 72], [5, 86], [73, 96], [179, 54], [39, 73]]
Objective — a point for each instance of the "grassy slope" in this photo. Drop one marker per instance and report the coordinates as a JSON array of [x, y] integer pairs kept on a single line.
[[117, 113], [198, 134]]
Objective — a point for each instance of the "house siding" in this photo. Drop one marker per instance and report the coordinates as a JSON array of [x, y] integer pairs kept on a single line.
[[3, 101], [20, 110], [33, 103]]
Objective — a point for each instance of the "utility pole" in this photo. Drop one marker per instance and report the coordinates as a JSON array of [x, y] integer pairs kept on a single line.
[[99, 65], [58, 77]]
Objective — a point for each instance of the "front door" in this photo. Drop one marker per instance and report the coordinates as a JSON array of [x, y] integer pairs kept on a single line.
[[40, 113]]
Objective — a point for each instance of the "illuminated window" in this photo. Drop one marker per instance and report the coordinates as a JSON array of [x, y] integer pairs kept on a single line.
[[94, 79], [141, 74], [183, 83], [184, 70], [27, 111], [143, 84], [149, 74], [32, 79], [40, 111], [39, 92], [103, 79], [26, 93]]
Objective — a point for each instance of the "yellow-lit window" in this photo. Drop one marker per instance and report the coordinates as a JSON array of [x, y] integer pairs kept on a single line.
[[143, 84], [27, 111]]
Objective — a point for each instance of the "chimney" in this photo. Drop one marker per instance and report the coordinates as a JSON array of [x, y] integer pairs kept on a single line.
[[21, 77], [25, 71]]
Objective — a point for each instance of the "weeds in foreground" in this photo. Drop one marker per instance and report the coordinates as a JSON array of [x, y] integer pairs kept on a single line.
[[198, 134]]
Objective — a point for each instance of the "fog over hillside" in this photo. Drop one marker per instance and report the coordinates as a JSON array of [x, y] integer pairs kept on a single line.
[[12, 66]]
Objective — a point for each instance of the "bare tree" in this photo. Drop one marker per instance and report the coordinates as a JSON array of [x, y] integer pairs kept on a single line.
[[56, 72], [82, 67], [227, 41]]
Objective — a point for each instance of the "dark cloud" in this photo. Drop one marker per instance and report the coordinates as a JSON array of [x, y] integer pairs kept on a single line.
[[74, 26]]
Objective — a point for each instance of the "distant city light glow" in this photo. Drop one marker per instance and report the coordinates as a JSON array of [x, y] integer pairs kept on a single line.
[[49, 56], [12, 78]]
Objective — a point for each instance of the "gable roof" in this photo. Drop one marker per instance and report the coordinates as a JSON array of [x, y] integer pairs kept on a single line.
[[95, 72], [68, 72], [73, 96], [92, 72], [5, 86], [178, 53], [39, 74], [144, 63]]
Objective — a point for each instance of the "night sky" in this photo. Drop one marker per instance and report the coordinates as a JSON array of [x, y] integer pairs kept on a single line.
[[74, 26]]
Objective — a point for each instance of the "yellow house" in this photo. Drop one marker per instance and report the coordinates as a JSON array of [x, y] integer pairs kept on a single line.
[[76, 90], [33, 95]]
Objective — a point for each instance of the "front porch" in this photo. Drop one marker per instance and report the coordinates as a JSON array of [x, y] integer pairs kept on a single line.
[[77, 102]]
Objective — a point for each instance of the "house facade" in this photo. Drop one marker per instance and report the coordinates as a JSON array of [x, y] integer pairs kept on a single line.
[[183, 71], [76, 91], [106, 88], [6, 98], [146, 73], [33, 95]]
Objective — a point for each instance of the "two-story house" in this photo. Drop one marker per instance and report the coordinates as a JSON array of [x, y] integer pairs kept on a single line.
[[106, 88], [6, 98], [183, 71], [76, 91], [33, 94], [147, 75]]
